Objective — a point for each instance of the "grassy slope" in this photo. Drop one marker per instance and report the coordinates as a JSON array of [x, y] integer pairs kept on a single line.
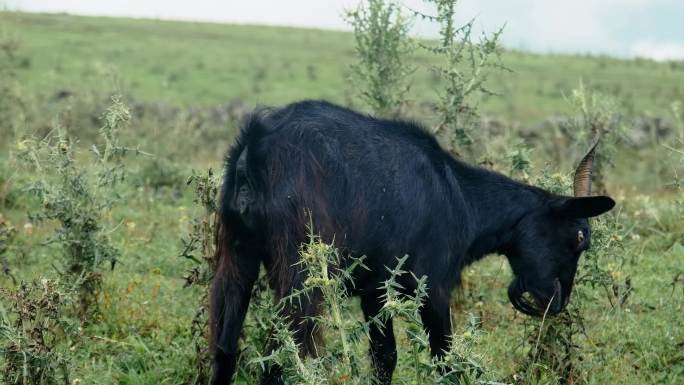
[[143, 339], [194, 63]]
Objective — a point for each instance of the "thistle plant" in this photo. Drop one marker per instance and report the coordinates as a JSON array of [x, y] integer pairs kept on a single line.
[[467, 64], [77, 201], [112, 154], [296, 369], [199, 247], [327, 280], [460, 364], [382, 45], [321, 263]]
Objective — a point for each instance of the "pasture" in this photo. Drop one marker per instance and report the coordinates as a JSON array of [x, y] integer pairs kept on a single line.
[[186, 85]]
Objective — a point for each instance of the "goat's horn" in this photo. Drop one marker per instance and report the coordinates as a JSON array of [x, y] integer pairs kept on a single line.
[[582, 182]]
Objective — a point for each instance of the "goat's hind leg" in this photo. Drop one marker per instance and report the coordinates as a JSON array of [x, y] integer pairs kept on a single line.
[[230, 296]]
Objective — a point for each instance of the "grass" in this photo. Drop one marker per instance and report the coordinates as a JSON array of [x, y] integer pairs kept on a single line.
[[185, 63], [142, 334]]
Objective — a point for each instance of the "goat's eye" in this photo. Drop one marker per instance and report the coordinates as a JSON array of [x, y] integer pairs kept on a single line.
[[580, 237]]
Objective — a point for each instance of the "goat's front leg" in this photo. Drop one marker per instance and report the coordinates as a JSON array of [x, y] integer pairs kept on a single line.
[[383, 347], [298, 311]]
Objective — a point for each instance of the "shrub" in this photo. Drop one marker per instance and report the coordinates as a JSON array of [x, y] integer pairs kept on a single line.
[[459, 365], [382, 45], [464, 72], [77, 200]]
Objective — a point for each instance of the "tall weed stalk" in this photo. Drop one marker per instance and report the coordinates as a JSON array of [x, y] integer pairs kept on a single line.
[[78, 200], [466, 65], [460, 364], [338, 359], [382, 45], [198, 246]]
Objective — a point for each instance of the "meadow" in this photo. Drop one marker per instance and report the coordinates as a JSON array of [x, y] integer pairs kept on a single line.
[[183, 88]]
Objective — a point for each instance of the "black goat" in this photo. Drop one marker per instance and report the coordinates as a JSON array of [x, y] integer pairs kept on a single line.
[[382, 189]]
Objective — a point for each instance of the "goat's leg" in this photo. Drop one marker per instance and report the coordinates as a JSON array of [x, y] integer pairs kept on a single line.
[[298, 311], [436, 316], [230, 295], [383, 348]]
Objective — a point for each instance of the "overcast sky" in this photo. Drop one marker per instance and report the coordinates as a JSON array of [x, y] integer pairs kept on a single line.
[[648, 28]]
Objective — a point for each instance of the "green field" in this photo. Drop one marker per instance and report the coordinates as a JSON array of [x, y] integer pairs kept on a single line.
[[207, 64], [187, 85]]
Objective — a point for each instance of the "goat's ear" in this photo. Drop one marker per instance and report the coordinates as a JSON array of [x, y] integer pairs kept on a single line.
[[584, 207]]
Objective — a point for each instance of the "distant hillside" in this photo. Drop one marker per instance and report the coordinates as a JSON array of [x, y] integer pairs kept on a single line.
[[187, 63]]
